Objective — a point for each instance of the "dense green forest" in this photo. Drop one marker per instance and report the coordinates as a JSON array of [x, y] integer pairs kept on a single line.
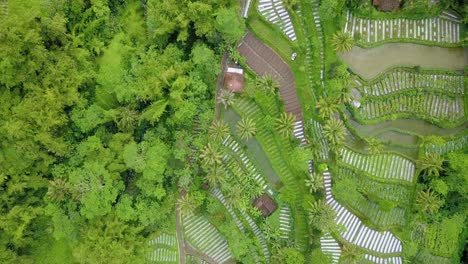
[[97, 100]]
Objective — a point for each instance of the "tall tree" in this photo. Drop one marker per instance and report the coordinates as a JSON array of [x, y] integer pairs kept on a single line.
[[210, 155], [334, 131], [321, 216], [246, 128], [327, 108], [267, 83], [342, 42], [285, 124], [226, 98], [428, 201], [314, 183], [431, 164], [219, 130]]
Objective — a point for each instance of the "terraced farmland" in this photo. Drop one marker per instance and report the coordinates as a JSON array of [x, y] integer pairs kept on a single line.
[[442, 29], [435, 106], [397, 193], [385, 166], [232, 163], [275, 12], [164, 251], [205, 237], [357, 232], [316, 132], [285, 221], [330, 246], [390, 260], [401, 79], [449, 146]]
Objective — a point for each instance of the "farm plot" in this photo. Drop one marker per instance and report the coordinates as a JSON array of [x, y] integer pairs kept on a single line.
[[358, 233], [238, 162], [443, 29], [275, 12], [165, 249], [433, 106], [3, 8], [385, 166], [330, 246], [391, 260], [401, 79], [449, 146], [285, 222], [316, 132], [205, 237], [275, 148], [377, 216], [396, 193]]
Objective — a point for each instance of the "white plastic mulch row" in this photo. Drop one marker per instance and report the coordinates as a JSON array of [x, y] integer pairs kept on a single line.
[[398, 80], [164, 239], [285, 222], [3, 8], [449, 146], [204, 236], [318, 137], [232, 144], [442, 29], [163, 255], [217, 193], [318, 27], [275, 12], [435, 106], [356, 232], [379, 260], [298, 131], [257, 233], [387, 166], [330, 246]]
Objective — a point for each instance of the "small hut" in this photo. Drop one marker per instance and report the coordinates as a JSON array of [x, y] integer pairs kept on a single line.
[[265, 204], [387, 5], [234, 79]]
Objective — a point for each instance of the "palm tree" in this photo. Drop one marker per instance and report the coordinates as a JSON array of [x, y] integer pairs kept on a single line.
[[226, 98], [314, 147], [267, 83], [57, 190], [215, 177], [285, 124], [374, 147], [327, 107], [315, 182], [127, 119], [428, 201], [350, 253], [246, 128], [334, 131], [219, 130], [187, 204], [342, 42], [321, 216], [431, 164], [210, 155], [345, 96]]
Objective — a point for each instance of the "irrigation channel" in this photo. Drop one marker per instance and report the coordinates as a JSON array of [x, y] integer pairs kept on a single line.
[[401, 135]]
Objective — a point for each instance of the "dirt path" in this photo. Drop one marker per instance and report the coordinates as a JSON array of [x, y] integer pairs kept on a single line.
[[264, 61]]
